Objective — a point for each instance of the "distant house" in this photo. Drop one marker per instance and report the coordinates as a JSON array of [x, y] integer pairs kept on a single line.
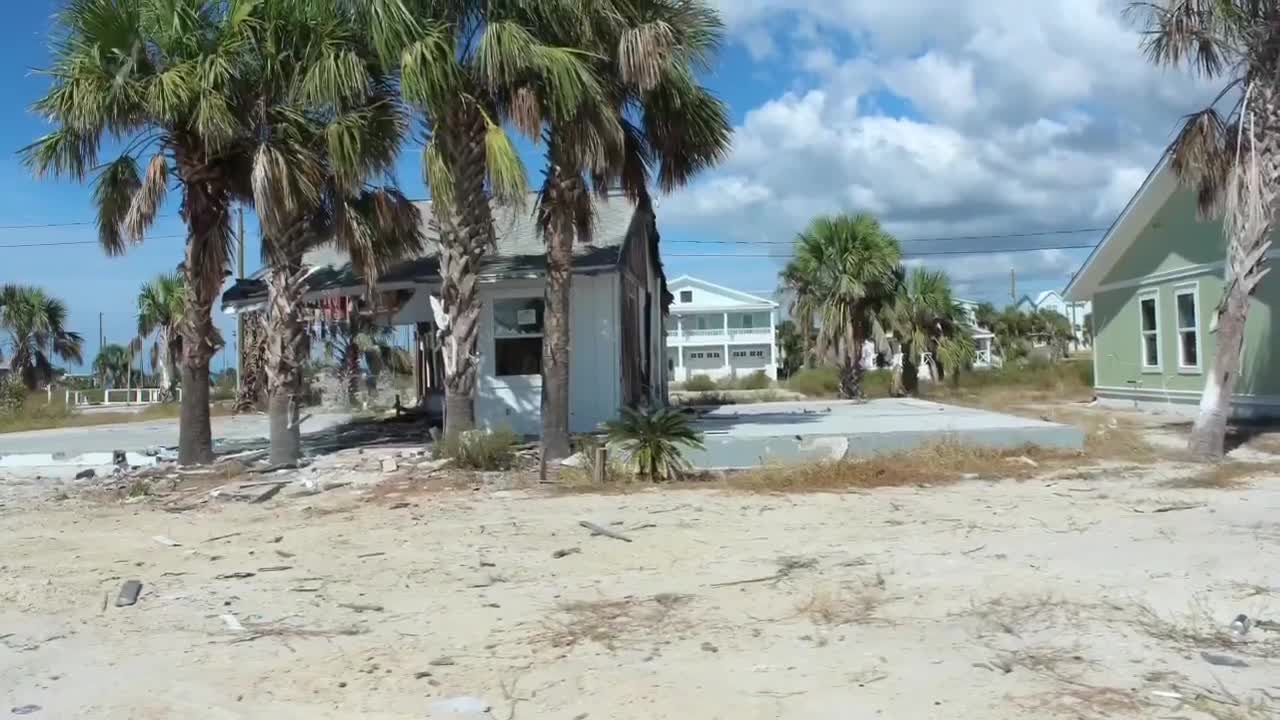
[[1075, 311], [617, 312], [1155, 282], [983, 338], [717, 331]]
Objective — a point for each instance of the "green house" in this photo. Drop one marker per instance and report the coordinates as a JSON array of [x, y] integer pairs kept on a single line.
[[1155, 281]]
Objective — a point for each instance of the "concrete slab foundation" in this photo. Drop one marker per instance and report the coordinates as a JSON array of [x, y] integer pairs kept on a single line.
[[743, 436]]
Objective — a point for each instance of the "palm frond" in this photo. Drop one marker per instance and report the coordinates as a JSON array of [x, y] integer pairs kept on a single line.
[[114, 193]]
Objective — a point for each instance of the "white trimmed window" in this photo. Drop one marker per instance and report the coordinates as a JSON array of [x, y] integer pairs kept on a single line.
[[517, 336], [1187, 305], [686, 296], [1149, 327], [757, 353], [739, 353]]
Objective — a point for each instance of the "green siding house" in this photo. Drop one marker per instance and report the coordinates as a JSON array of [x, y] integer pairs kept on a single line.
[[1155, 281]]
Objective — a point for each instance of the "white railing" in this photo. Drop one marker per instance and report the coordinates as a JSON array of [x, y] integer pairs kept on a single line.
[[120, 396], [761, 334]]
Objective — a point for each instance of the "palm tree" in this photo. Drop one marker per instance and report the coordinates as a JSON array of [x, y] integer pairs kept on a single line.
[[168, 82], [328, 121], [160, 306], [253, 351], [1230, 159], [461, 63], [360, 342], [924, 313], [642, 112], [36, 324], [844, 271], [114, 364], [985, 315], [1054, 329], [791, 348]]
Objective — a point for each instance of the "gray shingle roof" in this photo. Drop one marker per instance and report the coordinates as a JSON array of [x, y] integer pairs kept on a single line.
[[520, 250]]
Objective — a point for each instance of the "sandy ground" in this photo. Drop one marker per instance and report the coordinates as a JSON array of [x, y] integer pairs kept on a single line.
[[1066, 596]]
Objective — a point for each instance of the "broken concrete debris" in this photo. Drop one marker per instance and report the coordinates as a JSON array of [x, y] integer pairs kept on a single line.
[[129, 593]]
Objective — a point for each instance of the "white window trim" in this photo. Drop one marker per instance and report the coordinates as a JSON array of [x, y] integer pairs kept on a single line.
[[1192, 289], [496, 338], [1153, 294]]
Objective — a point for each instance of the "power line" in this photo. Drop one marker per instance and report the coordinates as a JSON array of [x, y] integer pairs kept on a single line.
[[952, 238], [997, 251], [45, 225], [82, 242]]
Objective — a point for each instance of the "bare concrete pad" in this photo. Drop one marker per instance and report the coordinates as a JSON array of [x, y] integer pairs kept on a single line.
[[740, 436]]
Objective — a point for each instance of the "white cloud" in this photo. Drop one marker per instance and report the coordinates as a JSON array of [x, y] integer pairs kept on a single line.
[[952, 117]]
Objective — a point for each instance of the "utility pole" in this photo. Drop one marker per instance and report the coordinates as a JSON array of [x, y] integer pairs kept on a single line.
[[1013, 285], [101, 342], [239, 337]]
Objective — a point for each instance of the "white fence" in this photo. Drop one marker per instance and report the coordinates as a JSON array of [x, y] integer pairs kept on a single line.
[[119, 396]]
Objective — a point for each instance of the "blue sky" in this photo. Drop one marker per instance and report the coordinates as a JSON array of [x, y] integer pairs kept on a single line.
[[944, 118]]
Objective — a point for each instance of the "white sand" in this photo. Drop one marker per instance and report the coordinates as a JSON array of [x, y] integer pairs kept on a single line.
[[1051, 578]]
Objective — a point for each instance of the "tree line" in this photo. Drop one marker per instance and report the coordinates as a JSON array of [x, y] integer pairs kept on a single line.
[[299, 109]]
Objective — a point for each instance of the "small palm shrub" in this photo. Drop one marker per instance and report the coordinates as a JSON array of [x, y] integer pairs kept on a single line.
[[652, 444], [700, 383], [479, 449]]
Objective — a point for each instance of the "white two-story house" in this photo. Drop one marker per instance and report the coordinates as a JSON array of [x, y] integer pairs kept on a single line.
[[716, 331]]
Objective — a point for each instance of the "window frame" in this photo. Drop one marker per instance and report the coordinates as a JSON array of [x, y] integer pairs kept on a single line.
[[1191, 289], [1154, 296], [683, 294], [496, 337]]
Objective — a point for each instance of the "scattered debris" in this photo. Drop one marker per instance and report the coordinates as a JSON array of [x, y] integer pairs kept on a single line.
[[432, 466], [232, 623], [270, 493], [974, 550], [87, 474], [234, 576], [1223, 660], [708, 647], [216, 538], [786, 566], [166, 541], [285, 554], [597, 530], [566, 552], [442, 662], [129, 593], [389, 465], [25, 709], [1240, 626], [422, 674], [1170, 508], [369, 555], [1024, 460], [401, 505], [361, 608], [275, 568]]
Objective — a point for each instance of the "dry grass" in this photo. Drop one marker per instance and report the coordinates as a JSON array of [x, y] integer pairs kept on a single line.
[[1198, 630], [842, 606], [930, 465], [43, 416], [613, 623], [1223, 476]]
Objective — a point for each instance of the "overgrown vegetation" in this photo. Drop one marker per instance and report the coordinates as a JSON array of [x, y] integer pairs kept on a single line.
[[479, 449], [37, 412], [700, 383], [825, 382], [653, 443]]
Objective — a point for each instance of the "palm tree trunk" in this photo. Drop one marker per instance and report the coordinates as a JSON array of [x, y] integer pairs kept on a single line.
[[559, 190], [286, 339], [466, 234], [910, 371], [253, 364], [206, 211], [167, 376], [1247, 249], [851, 370], [351, 361]]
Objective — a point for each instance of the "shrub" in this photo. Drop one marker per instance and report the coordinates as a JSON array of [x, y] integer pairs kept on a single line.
[[479, 449], [12, 395], [652, 444], [816, 382], [757, 380], [700, 383]]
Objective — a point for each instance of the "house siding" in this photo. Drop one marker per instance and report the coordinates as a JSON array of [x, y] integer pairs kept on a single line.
[[516, 402], [1178, 243]]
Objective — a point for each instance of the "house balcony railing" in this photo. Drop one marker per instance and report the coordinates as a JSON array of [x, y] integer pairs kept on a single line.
[[721, 335]]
